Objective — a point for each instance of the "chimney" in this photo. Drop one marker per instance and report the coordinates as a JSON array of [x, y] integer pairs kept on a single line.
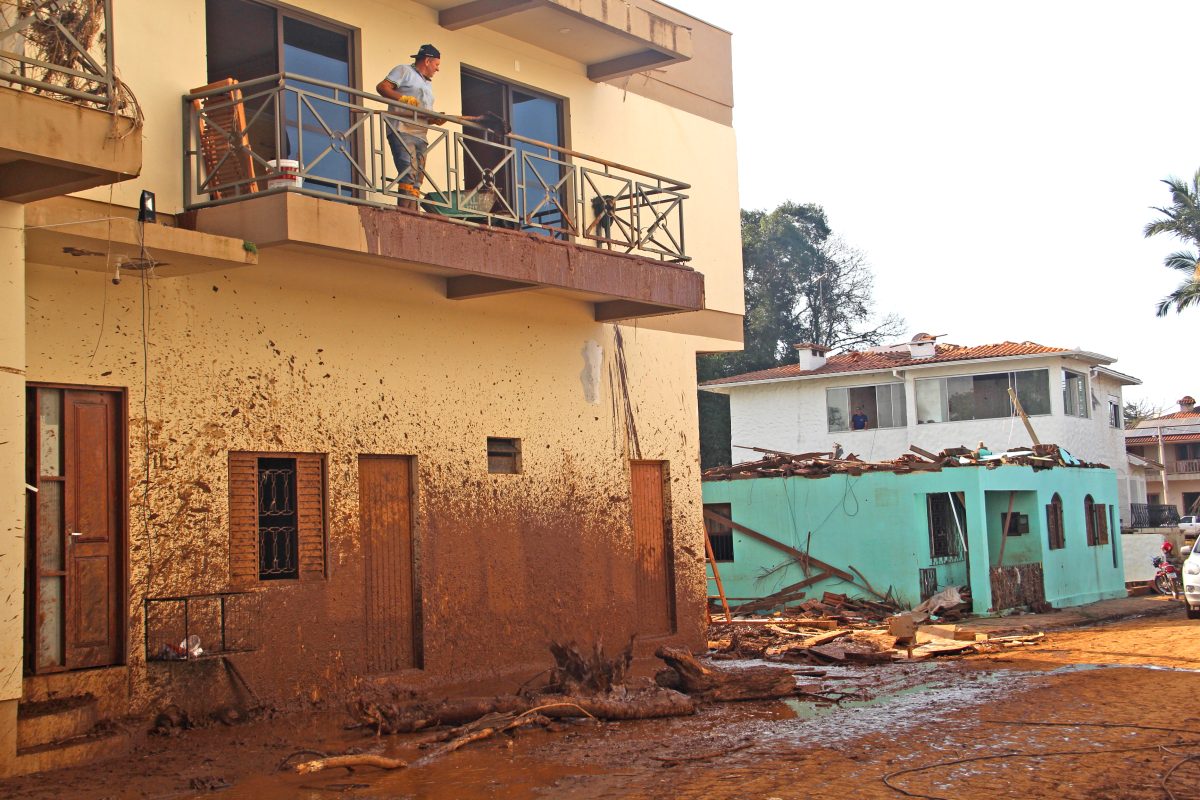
[[812, 356], [1187, 404], [923, 345]]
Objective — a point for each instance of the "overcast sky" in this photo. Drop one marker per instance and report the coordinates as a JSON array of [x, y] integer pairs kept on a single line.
[[995, 161]]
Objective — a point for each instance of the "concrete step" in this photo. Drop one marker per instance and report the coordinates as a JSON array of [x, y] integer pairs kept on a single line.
[[87, 749], [46, 721]]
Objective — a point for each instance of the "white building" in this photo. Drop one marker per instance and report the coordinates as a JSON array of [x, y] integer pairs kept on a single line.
[[933, 396]]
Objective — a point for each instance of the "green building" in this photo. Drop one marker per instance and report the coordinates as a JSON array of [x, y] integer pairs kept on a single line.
[[920, 531]]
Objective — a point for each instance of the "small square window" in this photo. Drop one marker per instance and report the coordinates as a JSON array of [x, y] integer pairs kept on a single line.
[[504, 455], [1019, 523]]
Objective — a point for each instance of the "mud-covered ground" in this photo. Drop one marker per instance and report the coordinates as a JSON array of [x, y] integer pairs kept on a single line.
[[1057, 719]]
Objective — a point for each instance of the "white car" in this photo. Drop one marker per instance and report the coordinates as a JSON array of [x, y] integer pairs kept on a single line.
[[1191, 584], [1189, 525]]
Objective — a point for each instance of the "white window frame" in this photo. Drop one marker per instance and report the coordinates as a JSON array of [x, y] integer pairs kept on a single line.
[[891, 387], [942, 384], [1082, 410]]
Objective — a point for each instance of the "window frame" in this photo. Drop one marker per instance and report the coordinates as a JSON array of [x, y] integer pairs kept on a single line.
[[1081, 396], [941, 385], [1116, 417], [312, 530], [945, 547], [1056, 537], [721, 540], [872, 422], [503, 448]]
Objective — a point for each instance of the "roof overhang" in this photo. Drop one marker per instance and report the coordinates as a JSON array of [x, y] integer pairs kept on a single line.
[[1082, 355], [613, 39]]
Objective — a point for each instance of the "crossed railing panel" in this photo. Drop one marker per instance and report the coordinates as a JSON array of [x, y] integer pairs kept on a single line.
[[338, 139], [59, 47]]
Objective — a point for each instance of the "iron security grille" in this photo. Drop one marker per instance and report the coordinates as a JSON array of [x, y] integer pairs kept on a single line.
[[947, 528], [278, 553]]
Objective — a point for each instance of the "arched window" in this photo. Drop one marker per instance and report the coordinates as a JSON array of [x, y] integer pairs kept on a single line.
[[1089, 519], [1054, 523]]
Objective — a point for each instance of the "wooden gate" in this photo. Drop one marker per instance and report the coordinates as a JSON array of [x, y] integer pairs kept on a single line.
[[654, 578], [76, 461], [1018, 585], [385, 518]]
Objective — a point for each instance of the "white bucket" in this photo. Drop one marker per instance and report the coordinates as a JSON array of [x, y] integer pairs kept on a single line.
[[285, 174]]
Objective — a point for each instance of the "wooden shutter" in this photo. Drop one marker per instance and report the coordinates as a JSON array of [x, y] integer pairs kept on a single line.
[[1101, 512], [243, 519], [310, 517]]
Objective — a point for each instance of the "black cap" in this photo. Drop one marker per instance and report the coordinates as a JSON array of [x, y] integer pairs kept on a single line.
[[427, 51]]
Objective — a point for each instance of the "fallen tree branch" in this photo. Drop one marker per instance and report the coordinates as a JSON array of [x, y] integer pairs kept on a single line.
[[675, 760], [349, 761]]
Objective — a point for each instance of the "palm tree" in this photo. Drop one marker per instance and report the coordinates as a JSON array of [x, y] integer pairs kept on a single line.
[[1181, 219]]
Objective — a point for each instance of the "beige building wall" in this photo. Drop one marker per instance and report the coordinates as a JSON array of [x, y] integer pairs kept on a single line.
[[12, 469], [603, 119], [316, 353]]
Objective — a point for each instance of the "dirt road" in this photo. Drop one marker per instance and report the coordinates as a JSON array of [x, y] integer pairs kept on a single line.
[[1104, 711]]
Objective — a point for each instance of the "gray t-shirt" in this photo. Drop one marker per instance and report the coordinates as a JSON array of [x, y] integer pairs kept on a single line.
[[408, 81]]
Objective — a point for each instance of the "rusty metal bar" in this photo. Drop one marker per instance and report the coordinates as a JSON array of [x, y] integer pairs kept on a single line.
[[82, 64]]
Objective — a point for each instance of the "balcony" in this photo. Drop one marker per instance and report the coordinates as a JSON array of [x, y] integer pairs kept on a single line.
[[1189, 466], [293, 162], [1153, 516], [69, 122]]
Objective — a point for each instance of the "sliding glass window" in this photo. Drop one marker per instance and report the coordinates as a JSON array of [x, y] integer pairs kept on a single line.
[[866, 407], [982, 396]]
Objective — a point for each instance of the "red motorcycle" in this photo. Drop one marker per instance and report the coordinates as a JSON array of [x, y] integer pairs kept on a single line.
[[1166, 576]]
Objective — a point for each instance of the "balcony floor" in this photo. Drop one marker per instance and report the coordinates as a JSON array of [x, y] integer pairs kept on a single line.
[[475, 261]]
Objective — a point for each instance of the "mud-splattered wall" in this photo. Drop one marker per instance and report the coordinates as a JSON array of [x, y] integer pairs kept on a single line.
[[301, 354]]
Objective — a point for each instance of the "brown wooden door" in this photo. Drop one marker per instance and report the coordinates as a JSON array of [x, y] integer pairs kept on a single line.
[[654, 579], [76, 603], [93, 523], [385, 517]]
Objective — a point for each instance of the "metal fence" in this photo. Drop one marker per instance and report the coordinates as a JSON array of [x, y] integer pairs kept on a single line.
[[1144, 515], [59, 47], [240, 138]]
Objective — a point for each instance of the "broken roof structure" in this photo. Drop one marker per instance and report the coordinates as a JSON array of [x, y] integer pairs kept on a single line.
[[906, 528]]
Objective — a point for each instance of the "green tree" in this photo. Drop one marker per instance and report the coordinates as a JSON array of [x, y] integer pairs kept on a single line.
[[802, 284], [1182, 220]]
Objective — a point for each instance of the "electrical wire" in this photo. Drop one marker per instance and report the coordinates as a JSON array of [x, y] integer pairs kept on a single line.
[[145, 292]]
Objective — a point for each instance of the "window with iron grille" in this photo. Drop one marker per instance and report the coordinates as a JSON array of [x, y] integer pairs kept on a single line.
[[720, 535], [947, 527], [1056, 538], [504, 455], [278, 553], [276, 517]]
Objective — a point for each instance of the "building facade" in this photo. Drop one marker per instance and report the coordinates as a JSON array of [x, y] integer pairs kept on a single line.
[[912, 533], [933, 396], [1171, 446], [264, 417]]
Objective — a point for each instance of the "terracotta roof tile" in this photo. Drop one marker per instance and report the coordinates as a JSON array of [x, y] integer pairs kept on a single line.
[[1179, 415], [863, 361], [1168, 438]]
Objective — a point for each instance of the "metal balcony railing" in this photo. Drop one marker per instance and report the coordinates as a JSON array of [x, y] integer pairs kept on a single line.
[[1144, 515], [236, 137], [59, 47]]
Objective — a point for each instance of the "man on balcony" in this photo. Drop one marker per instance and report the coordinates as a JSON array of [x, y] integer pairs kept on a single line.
[[412, 85]]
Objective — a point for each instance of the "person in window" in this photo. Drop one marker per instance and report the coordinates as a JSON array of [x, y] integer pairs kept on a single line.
[[411, 85], [858, 422]]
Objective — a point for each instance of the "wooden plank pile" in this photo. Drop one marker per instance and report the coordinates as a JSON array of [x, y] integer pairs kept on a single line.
[[824, 464]]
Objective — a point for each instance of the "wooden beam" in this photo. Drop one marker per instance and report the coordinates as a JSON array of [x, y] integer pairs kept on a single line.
[[925, 453], [778, 545], [627, 309], [478, 12], [465, 287], [1012, 395], [627, 65], [1004, 533], [712, 559]]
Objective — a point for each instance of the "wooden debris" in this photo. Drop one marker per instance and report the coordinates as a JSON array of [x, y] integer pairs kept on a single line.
[[709, 683]]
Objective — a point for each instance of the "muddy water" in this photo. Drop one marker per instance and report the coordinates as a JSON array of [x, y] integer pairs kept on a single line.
[[629, 759]]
